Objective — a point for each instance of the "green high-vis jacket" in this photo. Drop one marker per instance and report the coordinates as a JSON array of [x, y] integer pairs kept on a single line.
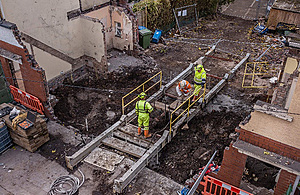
[[143, 108]]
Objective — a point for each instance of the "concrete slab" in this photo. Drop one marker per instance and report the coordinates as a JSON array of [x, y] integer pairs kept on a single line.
[[27, 173], [149, 182], [278, 129], [104, 159], [268, 157], [291, 65]]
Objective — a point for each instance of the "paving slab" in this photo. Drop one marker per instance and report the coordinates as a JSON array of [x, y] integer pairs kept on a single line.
[[104, 159]]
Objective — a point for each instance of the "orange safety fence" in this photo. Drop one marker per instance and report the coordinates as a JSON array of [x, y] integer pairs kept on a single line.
[[27, 100], [214, 186]]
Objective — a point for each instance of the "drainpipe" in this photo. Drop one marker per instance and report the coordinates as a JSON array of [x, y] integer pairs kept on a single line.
[[80, 5], [2, 11]]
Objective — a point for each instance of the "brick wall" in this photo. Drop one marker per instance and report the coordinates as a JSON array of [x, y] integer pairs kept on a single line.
[[280, 94], [285, 179], [232, 166], [269, 144], [6, 70]]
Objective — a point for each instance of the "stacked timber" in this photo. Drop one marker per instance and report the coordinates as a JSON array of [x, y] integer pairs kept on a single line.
[[30, 139]]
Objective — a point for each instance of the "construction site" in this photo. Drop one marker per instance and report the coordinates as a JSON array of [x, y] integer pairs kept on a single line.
[[73, 73]]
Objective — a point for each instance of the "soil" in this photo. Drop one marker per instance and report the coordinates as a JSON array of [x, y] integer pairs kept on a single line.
[[260, 174], [97, 100], [56, 150]]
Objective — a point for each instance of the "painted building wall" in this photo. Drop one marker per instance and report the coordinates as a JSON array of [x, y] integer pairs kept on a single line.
[[126, 40], [93, 39], [108, 16], [104, 16], [47, 22], [87, 4]]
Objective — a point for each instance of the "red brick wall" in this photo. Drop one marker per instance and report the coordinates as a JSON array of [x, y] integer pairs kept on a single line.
[[28, 73], [269, 144], [6, 70], [285, 179], [232, 166]]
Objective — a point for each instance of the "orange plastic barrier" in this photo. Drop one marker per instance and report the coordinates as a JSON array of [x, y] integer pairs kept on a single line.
[[26, 99], [214, 186]]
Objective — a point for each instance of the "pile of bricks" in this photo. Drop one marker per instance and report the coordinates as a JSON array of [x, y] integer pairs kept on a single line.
[[30, 139]]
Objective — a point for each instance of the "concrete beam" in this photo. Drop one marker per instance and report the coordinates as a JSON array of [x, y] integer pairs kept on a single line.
[[120, 184], [272, 158]]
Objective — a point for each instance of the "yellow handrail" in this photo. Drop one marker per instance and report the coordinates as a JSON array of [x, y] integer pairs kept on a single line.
[[142, 85], [187, 109], [253, 73]]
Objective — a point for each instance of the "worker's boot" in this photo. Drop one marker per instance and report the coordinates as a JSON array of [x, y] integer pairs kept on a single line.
[[146, 134], [139, 131], [194, 98]]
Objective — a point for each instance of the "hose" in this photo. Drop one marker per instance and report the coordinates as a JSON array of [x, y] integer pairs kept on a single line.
[[66, 184]]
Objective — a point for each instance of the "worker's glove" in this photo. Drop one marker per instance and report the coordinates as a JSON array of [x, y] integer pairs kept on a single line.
[[202, 85]]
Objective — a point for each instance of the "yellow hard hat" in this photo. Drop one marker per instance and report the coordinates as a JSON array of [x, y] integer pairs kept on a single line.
[[199, 67], [142, 95]]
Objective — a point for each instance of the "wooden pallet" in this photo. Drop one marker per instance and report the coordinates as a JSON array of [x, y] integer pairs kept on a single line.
[[30, 139]]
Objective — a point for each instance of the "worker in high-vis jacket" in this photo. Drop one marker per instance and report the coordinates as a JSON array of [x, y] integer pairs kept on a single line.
[[143, 109], [199, 79], [183, 88]]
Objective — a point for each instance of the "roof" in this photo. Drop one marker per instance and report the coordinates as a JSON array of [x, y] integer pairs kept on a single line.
[[6, 33], [291, 5], [278, 129]]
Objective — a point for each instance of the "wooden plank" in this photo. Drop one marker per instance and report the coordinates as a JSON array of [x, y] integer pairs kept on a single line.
[[132, 139], [272, 110], [131, 129], [161, 106], [124, 146], [176, 103]]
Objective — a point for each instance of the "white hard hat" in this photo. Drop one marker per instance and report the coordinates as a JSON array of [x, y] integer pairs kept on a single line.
[[182, 83]]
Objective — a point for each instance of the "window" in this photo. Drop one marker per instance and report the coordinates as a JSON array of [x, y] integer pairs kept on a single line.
[[118, 29]]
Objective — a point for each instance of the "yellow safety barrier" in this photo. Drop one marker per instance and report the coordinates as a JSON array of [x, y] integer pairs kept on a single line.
[[187, 109], [143, 87], [257, 70]]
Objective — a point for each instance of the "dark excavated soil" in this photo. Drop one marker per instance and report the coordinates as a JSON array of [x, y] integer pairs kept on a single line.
[[97, 100]]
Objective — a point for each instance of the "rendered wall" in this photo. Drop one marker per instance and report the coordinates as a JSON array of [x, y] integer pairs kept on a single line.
[[87, 4], [104, 16], [52, 65], [108, 16], [126, 41], [47, 22], [93, 39]]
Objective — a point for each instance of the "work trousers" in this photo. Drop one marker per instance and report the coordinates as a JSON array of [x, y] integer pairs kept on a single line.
[[143, 120]]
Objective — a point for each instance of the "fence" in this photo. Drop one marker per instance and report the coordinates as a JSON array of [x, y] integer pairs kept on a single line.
[[142, 86], [27, 100], [214, 186], [188, 100], [185, 15]]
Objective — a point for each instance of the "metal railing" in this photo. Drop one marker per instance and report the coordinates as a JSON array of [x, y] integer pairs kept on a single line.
[[188, 107], [259, 69], [143, 88]]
